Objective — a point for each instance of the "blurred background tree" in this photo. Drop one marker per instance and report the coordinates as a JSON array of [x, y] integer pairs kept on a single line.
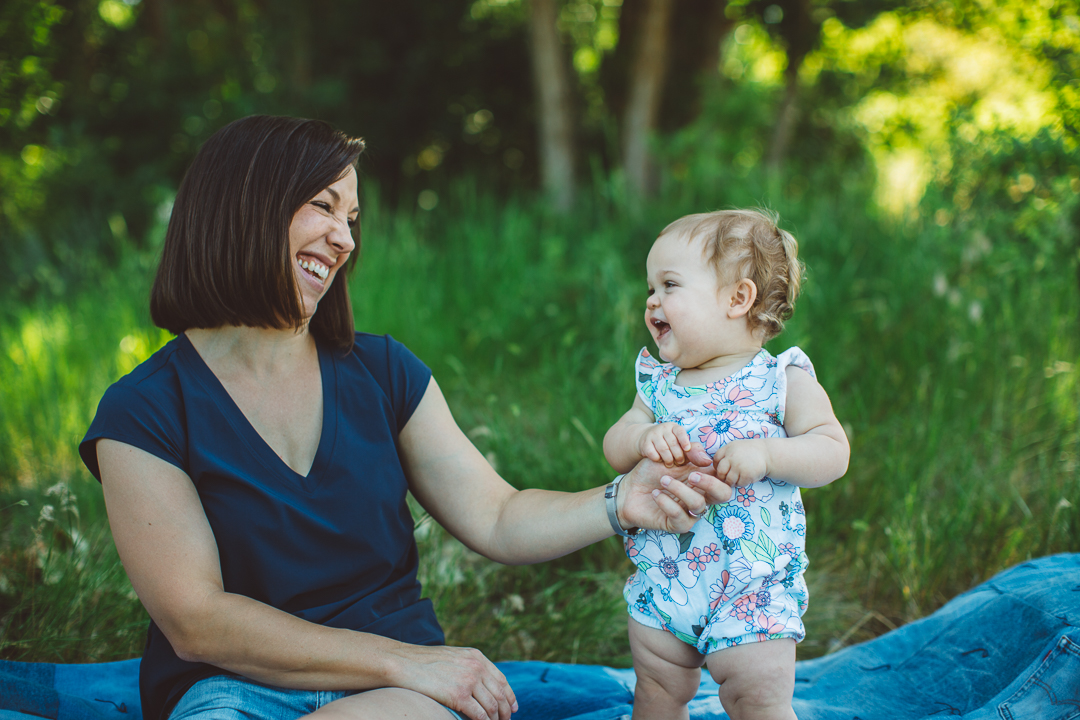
[[104, 102]]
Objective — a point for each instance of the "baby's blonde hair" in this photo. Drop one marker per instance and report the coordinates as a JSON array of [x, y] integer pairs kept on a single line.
[[750, 244]]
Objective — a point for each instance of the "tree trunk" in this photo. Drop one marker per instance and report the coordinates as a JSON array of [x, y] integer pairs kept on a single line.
[[800, 34], [156, 26], [786, 118], [554, 106], [645, 93], [693, 61]]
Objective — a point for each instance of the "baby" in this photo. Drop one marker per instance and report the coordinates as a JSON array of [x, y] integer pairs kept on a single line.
[[730, 593]]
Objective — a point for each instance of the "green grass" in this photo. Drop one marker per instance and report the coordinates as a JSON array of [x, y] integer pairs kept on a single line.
[[949, 352]]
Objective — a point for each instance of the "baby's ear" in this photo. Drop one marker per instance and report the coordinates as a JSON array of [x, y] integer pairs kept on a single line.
[[742, 298]]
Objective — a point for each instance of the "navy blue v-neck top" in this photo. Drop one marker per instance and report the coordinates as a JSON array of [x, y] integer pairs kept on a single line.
[[335, 547]]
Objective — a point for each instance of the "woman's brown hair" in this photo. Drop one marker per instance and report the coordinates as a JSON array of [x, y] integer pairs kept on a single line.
[[226, 259]]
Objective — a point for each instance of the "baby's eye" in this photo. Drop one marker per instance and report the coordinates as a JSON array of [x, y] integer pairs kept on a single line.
[[669, 284]]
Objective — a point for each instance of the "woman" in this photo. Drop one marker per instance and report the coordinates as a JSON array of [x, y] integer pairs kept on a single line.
[[255, 468]]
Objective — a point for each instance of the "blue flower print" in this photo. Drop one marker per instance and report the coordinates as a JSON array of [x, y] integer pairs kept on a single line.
[[644, 601], [733, 524]]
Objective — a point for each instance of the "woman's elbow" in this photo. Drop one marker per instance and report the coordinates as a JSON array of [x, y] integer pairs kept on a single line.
[[192, 634]]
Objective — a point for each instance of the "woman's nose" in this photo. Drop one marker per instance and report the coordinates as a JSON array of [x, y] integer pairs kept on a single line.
[[341, 238]]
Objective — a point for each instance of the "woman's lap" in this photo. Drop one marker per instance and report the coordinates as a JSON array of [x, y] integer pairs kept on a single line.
[[227, 697]]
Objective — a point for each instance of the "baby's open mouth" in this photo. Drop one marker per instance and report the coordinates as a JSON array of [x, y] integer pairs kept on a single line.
[[661, 327]]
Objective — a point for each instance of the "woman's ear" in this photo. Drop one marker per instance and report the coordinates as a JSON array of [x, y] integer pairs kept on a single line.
[[743, 296]]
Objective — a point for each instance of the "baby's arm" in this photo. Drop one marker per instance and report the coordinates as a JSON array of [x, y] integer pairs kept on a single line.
[[636, 436], [814, 453]]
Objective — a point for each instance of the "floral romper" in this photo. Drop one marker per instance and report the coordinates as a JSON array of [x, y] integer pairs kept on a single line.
[[737, 575]]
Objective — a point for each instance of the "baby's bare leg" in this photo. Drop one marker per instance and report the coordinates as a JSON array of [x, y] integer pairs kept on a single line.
[[757, 680], [668, 673]]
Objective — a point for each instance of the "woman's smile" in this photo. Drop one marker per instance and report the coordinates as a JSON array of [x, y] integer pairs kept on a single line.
[[320, 238]]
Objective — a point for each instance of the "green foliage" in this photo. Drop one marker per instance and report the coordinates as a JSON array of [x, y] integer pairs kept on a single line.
[[945, 327], [947, 343]]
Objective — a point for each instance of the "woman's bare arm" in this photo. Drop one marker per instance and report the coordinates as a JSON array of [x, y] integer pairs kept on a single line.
[[454, 482], [169, 552]]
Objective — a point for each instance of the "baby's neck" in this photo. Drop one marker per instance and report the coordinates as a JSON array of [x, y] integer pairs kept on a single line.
[[718, 368]]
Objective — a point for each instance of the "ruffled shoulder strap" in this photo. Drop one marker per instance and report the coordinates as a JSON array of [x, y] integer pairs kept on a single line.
[[791, 357], [646, 370]]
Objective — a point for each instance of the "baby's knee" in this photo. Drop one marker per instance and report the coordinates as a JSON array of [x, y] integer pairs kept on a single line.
[[756, 680], [755, 697], [677, 686]]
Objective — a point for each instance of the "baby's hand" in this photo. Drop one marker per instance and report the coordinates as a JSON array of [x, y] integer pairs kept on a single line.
[[665, 442], [742, 462]]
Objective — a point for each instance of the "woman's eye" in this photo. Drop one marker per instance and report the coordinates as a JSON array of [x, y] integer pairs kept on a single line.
[[321, 205], [353, 222]]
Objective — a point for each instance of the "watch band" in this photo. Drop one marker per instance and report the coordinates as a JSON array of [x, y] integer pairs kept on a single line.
[[610, 495]]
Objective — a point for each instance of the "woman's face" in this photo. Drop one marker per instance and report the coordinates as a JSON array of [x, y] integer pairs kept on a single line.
[[320, 239]]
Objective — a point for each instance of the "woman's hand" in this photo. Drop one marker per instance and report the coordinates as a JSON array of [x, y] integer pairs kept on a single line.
[[459, 678], [656, 497]]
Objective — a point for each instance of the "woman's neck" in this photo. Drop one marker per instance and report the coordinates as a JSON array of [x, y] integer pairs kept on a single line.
[[256, 352]]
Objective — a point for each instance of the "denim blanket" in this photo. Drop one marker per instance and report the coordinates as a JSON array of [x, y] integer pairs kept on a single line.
[[1007, 650]]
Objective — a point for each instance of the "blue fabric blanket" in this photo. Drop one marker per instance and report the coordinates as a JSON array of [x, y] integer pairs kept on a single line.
[[1007, 650]]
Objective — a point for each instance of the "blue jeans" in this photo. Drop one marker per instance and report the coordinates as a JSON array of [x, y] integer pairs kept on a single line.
[[227, 697]]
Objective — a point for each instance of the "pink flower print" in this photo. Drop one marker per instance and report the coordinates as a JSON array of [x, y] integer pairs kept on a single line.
[[743, 608], [631, 547], [721, 590], [747, 605], [696, 559], [766, 626], [722, 428], [744, 496], [788, 548], [712, 553], [738, 395]]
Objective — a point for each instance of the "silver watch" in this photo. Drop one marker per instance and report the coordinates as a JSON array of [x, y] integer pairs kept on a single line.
[[610, 494]]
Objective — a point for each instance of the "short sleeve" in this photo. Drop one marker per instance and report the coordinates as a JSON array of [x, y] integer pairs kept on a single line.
[[403, 376], [129, 415], [792, 357], [409, 380]]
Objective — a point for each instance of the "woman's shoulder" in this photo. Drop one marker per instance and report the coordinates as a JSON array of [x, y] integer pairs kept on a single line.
[[383, 350], [153, 380], [144, 408], [398, 372]]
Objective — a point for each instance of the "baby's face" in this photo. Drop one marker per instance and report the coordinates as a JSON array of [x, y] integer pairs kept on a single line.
[[687, 309]]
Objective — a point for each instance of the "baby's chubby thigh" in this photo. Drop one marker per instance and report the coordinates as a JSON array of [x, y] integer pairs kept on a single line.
[[668, 673], [757, 679]]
